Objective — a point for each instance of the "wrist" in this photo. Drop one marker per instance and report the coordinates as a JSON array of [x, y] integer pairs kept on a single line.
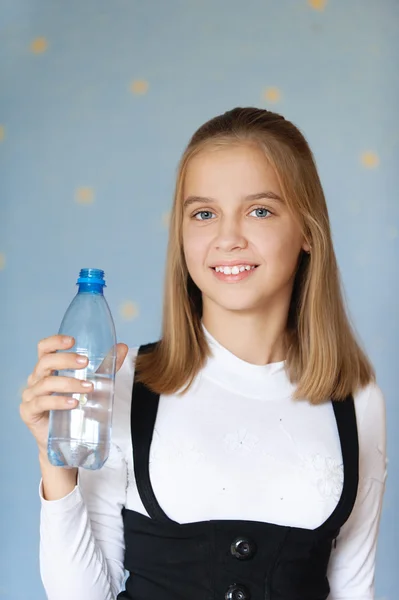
[[57, 482], [45, 465]]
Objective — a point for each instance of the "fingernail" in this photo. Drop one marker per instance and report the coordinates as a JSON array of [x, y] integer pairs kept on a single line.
[[81, 360], [71, 401], [86, 384], [66, 340]]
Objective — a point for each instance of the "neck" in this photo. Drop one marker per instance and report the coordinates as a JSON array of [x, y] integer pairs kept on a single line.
[[258, 339]]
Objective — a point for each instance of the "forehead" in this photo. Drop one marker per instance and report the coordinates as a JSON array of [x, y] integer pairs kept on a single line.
[[238, 169]]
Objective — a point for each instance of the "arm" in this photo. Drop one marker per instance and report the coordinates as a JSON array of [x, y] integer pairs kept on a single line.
[[81, 535], [352, 563]]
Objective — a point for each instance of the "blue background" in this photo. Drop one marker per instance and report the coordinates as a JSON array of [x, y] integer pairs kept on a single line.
[[97, 101]]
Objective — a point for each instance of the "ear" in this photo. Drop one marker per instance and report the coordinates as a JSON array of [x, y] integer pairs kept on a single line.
[[306, 247]]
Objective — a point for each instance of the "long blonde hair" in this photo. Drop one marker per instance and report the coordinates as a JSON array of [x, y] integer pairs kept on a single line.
[[324, 359]]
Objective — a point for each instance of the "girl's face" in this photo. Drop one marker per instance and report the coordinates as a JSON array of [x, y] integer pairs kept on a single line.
[[241, 244]]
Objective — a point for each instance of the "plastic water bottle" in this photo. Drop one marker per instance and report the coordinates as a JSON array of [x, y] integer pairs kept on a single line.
[[80, 437]]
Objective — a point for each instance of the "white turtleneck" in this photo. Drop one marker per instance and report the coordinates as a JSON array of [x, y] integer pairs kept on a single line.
[[235, 446]]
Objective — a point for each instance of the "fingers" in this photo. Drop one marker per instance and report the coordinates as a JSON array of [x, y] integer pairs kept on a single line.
[[56, 385], [56, 361], [50, 360], [54, 343], [31, 411]]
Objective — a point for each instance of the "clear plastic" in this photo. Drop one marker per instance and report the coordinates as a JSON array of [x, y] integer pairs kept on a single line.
[[80, 437]]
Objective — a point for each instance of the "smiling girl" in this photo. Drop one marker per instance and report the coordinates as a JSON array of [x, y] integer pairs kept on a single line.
[[248, 457]]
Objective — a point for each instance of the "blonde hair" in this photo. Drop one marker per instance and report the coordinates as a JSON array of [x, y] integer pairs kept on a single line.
[[324, 359]]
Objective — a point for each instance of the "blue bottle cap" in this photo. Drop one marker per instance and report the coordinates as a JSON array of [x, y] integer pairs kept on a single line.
[[91, 276]]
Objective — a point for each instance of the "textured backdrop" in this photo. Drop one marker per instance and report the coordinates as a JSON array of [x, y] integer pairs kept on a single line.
[[98, 99]]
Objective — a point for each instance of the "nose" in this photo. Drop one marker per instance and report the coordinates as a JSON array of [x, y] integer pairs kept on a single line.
[[230, 236]]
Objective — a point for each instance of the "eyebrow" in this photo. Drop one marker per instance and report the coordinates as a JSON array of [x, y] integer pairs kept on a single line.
[[251, 198]]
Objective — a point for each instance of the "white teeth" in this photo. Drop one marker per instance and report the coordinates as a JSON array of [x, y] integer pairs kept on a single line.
[[234, 270]]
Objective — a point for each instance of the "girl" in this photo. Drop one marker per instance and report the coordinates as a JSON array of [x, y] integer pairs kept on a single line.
[[248, 456]]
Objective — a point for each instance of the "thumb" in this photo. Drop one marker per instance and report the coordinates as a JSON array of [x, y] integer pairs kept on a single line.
[[107, 364], [121, 352]]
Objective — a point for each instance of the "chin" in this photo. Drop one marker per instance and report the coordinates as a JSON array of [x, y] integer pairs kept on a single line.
[[235, 302]]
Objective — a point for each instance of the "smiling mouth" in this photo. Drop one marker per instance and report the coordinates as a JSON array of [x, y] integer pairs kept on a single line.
[[234, 270]]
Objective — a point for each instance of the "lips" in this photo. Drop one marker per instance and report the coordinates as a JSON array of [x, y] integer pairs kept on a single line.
[[234, 270], [233, 274], [233, 263]]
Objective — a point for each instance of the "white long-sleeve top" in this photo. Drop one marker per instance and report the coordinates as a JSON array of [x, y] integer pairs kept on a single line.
[[235, 446]]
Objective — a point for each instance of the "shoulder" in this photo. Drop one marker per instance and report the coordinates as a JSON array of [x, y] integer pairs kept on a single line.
[[371, 424], [370, 402]]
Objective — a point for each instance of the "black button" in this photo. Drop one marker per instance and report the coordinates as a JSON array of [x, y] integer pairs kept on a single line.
[[237, 592], [243, 548]]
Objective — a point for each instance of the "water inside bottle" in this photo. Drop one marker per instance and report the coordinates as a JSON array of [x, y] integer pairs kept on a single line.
[[80, 436]]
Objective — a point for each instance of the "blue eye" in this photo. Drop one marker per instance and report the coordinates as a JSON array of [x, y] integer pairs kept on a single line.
[[261, 213], [203, 215]]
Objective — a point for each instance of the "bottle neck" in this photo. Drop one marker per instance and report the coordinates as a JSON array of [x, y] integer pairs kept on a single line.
[[91, 288]]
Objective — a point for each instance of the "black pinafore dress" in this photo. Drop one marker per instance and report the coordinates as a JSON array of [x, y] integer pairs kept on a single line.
[[231, 559]]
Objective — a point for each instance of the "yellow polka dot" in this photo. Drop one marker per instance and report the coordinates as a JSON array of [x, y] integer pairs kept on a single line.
[[139, 86], [166, 219], [317, 4], [370, 160], [393, 233], [2, 133], [84, 195], [2, 261], [129, 310], [39, 45], [272, 94]]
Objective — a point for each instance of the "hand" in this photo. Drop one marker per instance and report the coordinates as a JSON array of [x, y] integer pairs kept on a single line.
[[40, 395]]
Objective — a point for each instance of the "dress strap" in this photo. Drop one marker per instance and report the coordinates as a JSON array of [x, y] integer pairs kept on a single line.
[[143, 415], [345, 416]]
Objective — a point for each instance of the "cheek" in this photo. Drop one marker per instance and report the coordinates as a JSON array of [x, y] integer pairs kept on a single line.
[[191, 253], [195, 245], [271, 243], [280, 247]]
